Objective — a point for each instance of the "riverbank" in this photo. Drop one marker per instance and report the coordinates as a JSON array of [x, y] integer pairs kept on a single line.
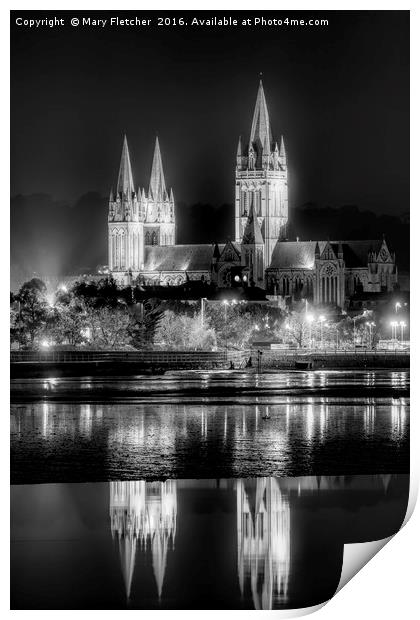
[[28, 364]]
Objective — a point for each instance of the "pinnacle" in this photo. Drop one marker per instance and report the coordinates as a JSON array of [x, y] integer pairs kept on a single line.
[[157, 187], [125, 184]]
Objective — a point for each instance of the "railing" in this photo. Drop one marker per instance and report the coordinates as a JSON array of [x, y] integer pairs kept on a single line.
[[325, 352], [141, 357]]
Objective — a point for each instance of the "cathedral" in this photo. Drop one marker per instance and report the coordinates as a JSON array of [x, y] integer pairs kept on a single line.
[[142, 234]]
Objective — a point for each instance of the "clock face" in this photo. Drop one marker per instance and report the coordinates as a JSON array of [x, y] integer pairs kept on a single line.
[[383, 254]]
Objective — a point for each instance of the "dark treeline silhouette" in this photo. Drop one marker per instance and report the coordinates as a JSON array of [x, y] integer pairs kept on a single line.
[[314, 222], [55, 237]]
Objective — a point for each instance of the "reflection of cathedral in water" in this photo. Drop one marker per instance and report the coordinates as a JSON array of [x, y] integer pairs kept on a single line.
[[263, 529], [269, 573], [143, 514]]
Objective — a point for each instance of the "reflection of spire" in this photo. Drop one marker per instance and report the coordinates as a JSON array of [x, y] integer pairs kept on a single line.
[[143, 512], [386, 479], [263, 524], [127, 549], [159, 554]]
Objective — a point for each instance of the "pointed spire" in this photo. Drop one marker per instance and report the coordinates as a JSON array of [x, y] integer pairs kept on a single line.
[[252, 233], [111, 195], [157, 186], [282, 154], [239, 149], [125, 183], [260, 129], [171, 196]]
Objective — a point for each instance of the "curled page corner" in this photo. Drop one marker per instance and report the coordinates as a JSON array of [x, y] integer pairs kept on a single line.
[[356, 556], [303, 611], [298, 612], [412, 498]]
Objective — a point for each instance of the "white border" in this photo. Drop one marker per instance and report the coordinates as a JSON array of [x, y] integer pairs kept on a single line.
[[388, 585]]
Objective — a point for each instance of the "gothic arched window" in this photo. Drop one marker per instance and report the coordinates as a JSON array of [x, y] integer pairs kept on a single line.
[[147, 238], [154, 238]]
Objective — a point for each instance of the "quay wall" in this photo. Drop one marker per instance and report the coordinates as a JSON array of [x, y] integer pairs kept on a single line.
[[114, 363], [331, 359]]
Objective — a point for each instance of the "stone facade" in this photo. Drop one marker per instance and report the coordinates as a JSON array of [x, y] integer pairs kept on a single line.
[[142, 244], [261, 181], [138, 219]]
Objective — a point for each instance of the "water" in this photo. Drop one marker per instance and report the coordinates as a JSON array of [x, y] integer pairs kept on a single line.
[[206, 425], [260, 543], [201, 490]]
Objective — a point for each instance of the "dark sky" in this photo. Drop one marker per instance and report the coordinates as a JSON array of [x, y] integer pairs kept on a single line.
[[340, 95]]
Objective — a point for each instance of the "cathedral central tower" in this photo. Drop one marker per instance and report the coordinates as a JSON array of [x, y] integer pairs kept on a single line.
[[261, 181]]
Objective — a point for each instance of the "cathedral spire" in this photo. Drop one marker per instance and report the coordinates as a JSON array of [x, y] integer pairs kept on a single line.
[[260, 129], [125, 183], [157, 187]]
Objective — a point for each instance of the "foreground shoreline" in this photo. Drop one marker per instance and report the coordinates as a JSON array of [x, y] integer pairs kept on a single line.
[[269, 362]]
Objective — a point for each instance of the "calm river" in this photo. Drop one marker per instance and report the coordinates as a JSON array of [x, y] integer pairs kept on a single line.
[[201, 490]]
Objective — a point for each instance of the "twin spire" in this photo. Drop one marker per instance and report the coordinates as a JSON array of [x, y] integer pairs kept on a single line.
[[157, 186]]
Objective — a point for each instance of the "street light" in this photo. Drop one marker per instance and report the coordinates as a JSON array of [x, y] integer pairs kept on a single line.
[[402, 325], [397, 305], [336, 337], [370, 324], [321, 320], [354, 332], [225, 303], [310, 320], [394, 325], [203, 299]]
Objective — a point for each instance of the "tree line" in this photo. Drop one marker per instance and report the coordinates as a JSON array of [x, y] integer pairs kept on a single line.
[[100, 315]]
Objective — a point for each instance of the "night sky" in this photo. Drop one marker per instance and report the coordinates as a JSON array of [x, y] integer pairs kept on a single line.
[[339, 94]]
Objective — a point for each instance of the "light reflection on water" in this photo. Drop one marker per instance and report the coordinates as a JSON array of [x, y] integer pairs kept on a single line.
[[227, 424], [287, 438], [255, 543], [214, 383]]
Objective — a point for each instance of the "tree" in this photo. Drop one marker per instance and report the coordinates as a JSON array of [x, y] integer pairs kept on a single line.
[[145, 321], [237, 325], [181, 331], [296, 329], [108, 327], [68, 322], [105, 292], [30, 313]]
